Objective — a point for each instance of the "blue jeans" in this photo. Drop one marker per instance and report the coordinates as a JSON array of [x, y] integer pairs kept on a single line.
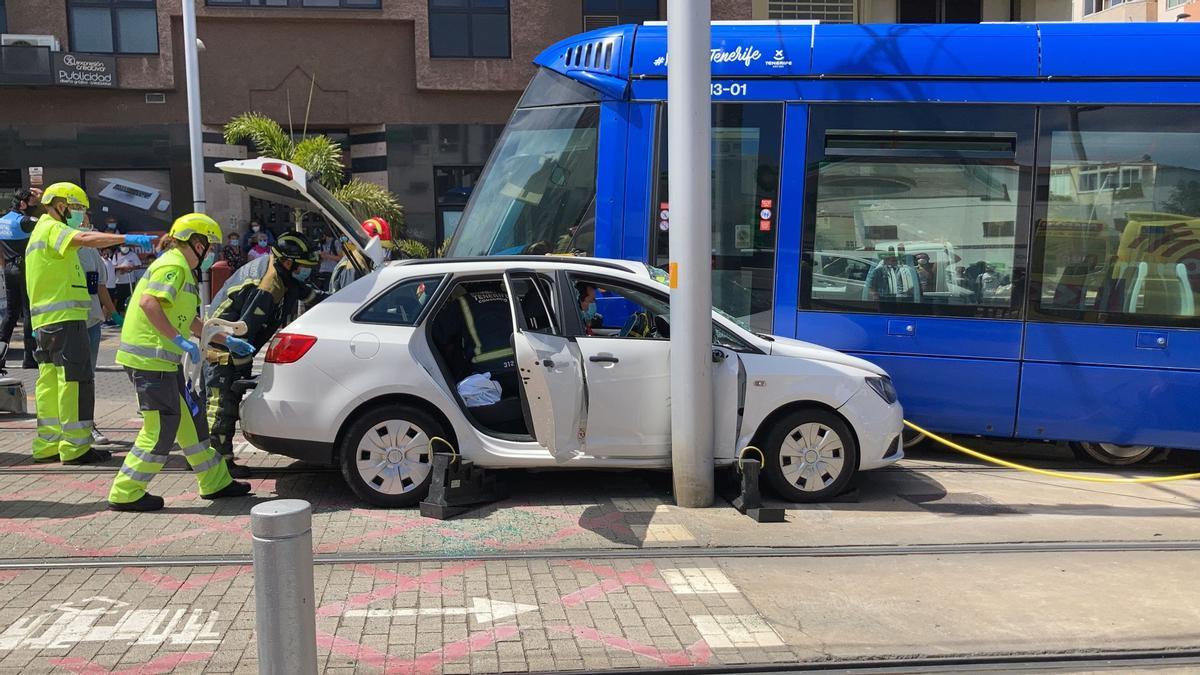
[[94, 339]]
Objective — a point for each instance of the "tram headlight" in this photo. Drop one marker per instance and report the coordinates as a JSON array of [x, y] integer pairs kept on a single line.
[[884, 387]]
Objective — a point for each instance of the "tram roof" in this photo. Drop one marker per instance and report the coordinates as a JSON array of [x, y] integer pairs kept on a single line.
[[607, 59]]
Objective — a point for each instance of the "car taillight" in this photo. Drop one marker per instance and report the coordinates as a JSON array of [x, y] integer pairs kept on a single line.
[[277, 169], [289, 347]]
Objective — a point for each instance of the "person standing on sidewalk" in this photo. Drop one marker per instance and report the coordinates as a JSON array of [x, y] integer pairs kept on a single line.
[[128, 263], [58, 309], [96, 273], [163, 313], [265, 293], [15, 227]]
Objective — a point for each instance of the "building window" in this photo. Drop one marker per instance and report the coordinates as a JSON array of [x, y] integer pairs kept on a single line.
[[941, 11], [299, 4], [1172, 4], [602, 13], [1093, 6], [469, 29], [3, 18], [825, 11], [113, 26], [1122, 249]]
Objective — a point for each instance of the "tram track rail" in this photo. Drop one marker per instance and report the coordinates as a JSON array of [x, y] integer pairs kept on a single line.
[[1063, 661], [629, 553]]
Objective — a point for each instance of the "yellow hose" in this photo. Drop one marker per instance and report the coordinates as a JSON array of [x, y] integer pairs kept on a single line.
[[1045, 472]]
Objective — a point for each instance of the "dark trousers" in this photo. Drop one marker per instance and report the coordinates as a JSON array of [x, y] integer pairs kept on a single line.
[[224, 402], [18, 309], [120, 297]]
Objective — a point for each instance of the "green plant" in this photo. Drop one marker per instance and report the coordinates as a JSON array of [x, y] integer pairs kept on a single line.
[[320, 156], [413, 248]]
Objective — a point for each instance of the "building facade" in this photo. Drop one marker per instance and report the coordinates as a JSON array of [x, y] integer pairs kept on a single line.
[[417, 91], [1120, 11]]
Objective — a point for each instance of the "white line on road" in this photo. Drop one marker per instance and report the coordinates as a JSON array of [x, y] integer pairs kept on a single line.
[[484, 610]]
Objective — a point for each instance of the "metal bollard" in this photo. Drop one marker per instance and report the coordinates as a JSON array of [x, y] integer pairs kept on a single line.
[[285, 615]]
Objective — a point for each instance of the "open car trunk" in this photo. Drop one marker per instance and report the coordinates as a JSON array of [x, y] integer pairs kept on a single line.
[[289, 184]]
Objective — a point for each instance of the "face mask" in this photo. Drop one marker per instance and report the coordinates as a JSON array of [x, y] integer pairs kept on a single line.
[[589, 313], [112, 226], [209, 260], [303, 273], [124, 249], [256, 228], [234, 242]]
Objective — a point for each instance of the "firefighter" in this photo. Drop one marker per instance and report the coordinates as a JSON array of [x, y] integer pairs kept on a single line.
[[345, 272], [58, 307], [474, 333], [264, 293]]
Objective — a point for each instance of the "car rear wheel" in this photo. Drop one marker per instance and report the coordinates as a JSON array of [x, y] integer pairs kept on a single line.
[[1113, 454], [811, 456], [387, 455], [913, 439]]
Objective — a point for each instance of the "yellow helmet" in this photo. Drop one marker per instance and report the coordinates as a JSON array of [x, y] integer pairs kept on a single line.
[[71, 192], [186, 227]]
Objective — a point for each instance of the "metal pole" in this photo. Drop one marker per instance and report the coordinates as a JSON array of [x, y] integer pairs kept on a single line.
[[285, 615], [191, 68], [689, 120]]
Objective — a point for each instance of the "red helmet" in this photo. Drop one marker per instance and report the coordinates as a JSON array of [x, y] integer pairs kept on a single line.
[[377, 227]]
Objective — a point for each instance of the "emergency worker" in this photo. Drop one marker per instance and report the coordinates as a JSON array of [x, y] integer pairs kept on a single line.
[[264, 293], [162, 313], [345, 273], [15, 227], [58, 308], [474, 333]]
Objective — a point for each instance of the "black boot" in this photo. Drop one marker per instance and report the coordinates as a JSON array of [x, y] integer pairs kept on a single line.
[[148, 502], [236, 470], [234, 489], [92, 456]]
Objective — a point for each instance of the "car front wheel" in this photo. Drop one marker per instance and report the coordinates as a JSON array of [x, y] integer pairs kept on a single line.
[[811, 456], [387, 455]]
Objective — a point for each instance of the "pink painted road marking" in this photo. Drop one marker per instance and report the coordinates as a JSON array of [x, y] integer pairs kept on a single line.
[[699, 653], [428, 582], [425, 664], [170, 583], [400, 526], [645, 574], [159, 666]]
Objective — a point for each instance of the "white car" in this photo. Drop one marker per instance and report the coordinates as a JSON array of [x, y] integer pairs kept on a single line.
[[368, 378]]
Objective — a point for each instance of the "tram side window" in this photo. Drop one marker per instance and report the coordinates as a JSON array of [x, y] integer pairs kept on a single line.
[[1119, 241], [915, 221]]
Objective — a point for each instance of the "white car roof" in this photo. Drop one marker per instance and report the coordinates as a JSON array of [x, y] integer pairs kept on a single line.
[[408, 268]]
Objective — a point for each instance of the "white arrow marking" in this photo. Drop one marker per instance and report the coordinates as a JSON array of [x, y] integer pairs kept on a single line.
[[483, 609]]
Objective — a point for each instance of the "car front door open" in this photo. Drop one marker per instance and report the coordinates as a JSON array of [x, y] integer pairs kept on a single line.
[[551, 378]]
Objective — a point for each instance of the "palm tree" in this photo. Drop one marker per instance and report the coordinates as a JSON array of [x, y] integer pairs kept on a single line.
[[320, 156]]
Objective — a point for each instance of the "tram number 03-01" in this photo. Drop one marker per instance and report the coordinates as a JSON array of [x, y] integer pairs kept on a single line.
[[732, 89]]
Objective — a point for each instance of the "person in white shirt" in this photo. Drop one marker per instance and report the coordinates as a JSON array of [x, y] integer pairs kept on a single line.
[[129, 268]]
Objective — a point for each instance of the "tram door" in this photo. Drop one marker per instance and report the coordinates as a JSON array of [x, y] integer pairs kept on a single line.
[[1112, 353], [746, 143], [914, 247]]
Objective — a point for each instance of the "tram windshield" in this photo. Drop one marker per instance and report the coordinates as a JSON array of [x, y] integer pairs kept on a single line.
[[538, 193]]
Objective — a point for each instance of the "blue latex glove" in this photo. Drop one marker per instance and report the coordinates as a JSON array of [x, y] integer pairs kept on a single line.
[[142, 241], [238, 346], [187, 346]]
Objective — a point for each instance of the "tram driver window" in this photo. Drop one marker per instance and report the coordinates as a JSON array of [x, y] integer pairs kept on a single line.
[[1119, 241], [920, 222]]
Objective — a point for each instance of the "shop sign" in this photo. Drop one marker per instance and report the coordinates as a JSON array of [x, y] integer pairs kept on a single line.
[[85, 70]]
